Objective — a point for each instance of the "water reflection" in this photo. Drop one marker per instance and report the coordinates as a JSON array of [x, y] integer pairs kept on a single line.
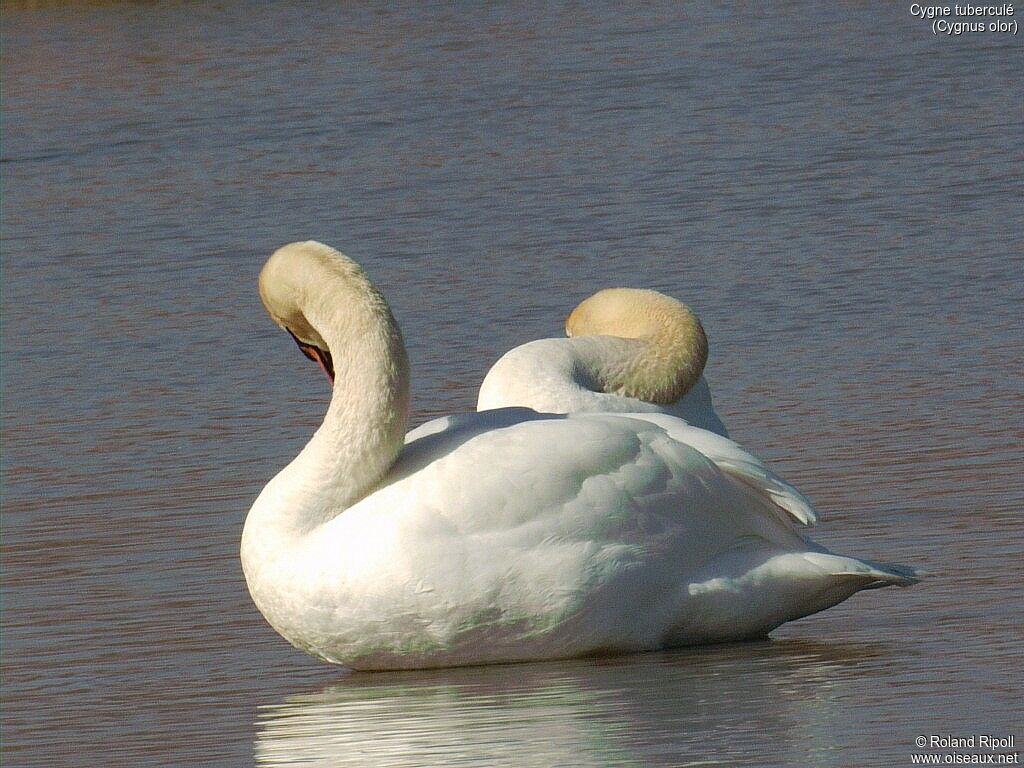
[[709, 706]]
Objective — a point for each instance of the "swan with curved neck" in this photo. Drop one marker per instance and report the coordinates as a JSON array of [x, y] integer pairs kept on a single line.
[[509, 535], [630, 350]]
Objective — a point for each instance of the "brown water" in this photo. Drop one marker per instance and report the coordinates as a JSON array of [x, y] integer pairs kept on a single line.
[[837, 193]]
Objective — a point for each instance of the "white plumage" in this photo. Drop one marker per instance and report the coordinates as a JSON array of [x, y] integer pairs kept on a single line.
[[510, 535], [631, 351]]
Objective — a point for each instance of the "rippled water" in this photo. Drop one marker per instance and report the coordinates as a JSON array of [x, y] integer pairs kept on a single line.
[[836, 191]]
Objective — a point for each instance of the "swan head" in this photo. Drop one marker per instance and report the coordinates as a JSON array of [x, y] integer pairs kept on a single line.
[[306, 288], [675, 347]]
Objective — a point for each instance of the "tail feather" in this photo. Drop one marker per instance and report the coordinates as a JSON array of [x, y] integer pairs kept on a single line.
[[872, 574], [893, 575]]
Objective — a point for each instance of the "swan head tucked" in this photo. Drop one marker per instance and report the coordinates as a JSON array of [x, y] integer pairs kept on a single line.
[[314, 291], [332, 310], [674, 342], [284, 285]]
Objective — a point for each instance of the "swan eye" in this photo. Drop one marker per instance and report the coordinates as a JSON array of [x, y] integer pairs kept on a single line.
[[317, 355]]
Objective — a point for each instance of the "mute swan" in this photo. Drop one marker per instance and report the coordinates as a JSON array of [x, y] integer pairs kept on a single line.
[[509, 535], [630, 350]]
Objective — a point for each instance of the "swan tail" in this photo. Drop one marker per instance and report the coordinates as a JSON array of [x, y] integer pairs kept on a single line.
[[747, 593], [885, 574], [856, 574]]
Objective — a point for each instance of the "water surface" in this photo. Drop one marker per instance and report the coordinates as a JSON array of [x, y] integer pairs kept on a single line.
[[835, 191]]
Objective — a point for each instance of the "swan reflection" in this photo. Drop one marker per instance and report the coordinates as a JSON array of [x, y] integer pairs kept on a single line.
[[778, 700]]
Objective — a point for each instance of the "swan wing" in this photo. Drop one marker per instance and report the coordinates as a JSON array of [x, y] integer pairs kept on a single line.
[[739, 464], [527, 479], [513, 523]]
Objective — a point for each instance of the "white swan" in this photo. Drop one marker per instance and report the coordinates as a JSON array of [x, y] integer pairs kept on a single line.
[[509, 535], [630, 350]]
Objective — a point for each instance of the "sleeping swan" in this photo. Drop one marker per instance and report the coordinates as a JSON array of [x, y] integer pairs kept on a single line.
[[630, 350], [509, 535]]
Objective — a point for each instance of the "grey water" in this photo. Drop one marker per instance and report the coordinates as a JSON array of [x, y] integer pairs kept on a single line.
[[835, 190]]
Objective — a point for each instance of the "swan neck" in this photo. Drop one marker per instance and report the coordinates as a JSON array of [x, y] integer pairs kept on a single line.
[[658, 367], [363, 430]]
